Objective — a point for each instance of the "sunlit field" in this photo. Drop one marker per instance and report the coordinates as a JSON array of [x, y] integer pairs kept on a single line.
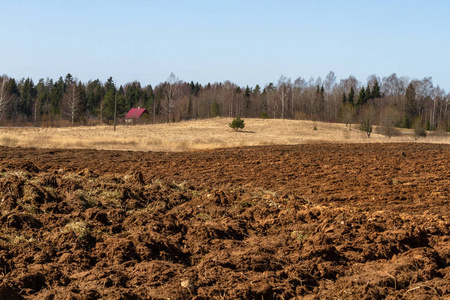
[[200, 134]]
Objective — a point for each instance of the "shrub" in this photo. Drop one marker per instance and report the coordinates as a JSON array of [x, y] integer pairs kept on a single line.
[[419, 127], [264, 115], [237, 123], [389, 131]]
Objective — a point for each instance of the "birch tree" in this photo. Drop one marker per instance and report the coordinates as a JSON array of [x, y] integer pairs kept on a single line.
[[284, 90], [72, 106], [172, 95], [5, 97]]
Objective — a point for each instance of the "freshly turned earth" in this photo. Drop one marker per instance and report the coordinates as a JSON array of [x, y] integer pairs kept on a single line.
[[324, 221]]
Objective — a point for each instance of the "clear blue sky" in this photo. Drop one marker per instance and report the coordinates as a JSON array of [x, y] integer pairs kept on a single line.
[[246, 42]]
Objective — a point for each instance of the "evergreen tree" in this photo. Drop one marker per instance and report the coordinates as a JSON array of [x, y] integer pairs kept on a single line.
[[68, 81], [197, 88], [42, 105], [237, 123], [351, 96], [247, 92], [368, 94], [110, 85], [376, 90], [13, 90], [215, 109], [412, 108], [133, 95], [27, 97], [108, 106], [257, 90], [56, 96], [83, 98], [361, 97], [109, 100], [344, 98], [95, 93], [149, 97], [122, 107]]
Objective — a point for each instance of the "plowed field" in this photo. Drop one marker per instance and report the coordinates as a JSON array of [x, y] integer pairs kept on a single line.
[[324, 221]]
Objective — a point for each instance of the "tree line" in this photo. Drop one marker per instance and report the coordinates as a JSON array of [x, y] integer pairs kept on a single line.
[[392, 100]]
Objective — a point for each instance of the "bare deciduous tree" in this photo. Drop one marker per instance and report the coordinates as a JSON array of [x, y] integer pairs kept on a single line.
[[71, 106], [389, 119], [172, 95], [347, 114], [349, 83], [367, 119], [284, 91], [5, 97], [330, 82]]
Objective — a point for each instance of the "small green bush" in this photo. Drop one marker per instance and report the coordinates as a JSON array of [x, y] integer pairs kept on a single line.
[[237, 123], [264, 115]]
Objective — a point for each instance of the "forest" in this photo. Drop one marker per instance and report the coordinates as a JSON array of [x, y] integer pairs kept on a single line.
[[390, 101]]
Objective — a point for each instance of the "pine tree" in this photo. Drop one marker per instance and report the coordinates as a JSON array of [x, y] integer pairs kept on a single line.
[[237, 123], [344, 98]]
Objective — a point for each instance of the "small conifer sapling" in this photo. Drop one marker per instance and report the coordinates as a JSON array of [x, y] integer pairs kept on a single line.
[[237, 123]]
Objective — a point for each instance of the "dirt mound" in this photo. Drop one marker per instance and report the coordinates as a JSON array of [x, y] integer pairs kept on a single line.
[[312, 221]]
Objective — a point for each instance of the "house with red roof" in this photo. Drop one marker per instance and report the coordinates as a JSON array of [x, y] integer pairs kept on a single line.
[[137, 115]]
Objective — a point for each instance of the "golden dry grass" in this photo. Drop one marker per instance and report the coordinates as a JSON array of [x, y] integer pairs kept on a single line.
[[200, 134]]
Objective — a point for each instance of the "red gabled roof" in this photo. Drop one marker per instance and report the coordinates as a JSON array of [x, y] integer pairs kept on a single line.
[[135, 113]]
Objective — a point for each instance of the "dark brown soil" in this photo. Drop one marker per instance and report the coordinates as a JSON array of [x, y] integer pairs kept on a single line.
[[312, 222]]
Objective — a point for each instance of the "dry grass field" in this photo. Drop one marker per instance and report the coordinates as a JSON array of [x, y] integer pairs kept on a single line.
[[199, 134]]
